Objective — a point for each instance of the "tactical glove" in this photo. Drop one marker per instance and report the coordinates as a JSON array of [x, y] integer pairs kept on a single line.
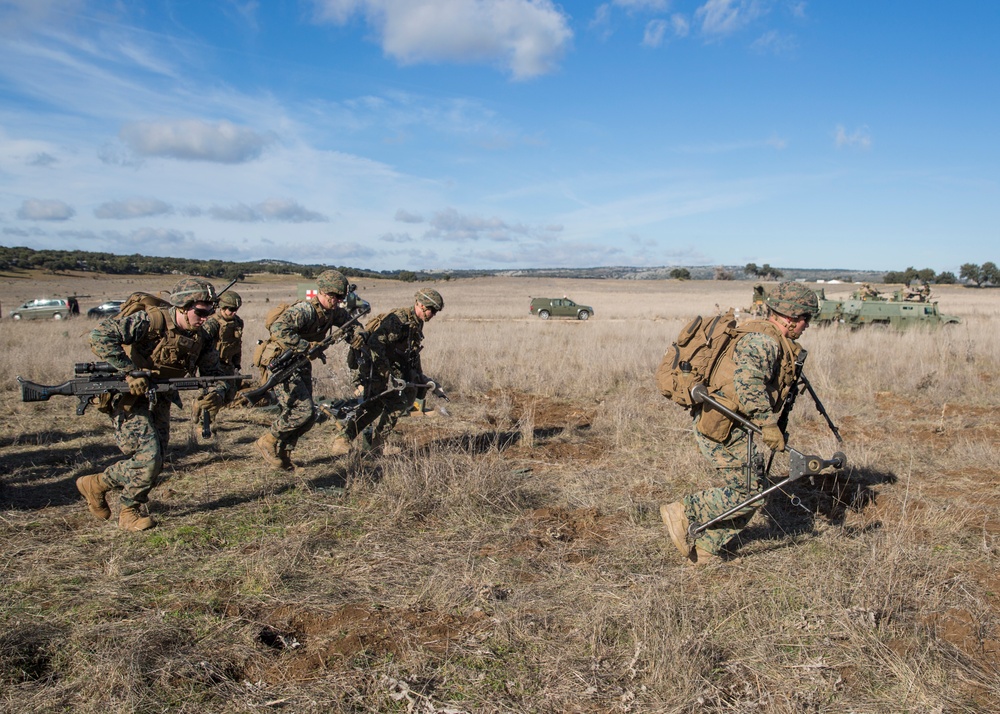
[[772, 436], [137, 385], [210, 402]]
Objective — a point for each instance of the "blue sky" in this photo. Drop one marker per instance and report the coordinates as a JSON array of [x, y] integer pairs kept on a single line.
[[435, 134]]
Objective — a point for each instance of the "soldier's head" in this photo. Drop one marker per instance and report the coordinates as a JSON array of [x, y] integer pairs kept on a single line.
[[427, 303], [195, 300], [791, 306], [332, 287], [229, 303]]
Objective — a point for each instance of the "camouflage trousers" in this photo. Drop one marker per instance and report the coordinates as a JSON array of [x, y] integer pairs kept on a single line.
[[728, 458], [298, 413], [381, 412], [142, 433]]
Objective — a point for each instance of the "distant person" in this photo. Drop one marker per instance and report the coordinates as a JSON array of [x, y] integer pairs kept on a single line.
[[754, 377], [225, 328], [391, 351], [170, 341]]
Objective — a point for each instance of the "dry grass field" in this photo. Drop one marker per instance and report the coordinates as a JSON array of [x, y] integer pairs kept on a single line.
[[509, 557]]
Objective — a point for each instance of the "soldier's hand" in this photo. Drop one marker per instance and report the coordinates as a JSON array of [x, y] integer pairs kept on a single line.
[[772, 436], [359, 339], [137, 385], [210, 402]]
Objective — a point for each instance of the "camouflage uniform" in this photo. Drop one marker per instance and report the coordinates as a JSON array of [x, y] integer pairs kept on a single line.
[[227, 337], [142, 430], [758, 369], [392, 349], [298, 326]]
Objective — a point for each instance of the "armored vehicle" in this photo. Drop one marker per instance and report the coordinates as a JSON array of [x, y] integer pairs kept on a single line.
[[559, 307], [869, 307]]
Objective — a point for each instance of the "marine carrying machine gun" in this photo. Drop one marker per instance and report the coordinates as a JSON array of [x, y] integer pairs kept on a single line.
[[800, 464]]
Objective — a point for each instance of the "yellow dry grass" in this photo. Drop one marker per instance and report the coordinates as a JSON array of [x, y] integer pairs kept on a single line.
[[510, 558]]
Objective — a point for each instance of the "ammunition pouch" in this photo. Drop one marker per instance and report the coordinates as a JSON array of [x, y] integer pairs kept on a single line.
[[713, 424]]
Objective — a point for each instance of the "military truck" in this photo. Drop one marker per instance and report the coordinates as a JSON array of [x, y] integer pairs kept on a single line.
[[873, 308], [559, 307]]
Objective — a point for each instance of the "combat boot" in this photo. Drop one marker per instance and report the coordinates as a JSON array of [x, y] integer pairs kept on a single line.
[[704, 557], [93, 488], [131, 520], [676, 522], [268, 447], [340, 444], [285, 454]]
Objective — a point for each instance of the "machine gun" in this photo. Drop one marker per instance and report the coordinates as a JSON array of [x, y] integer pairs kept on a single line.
[[286, 364], [345, 410], [800, 464], [96, 378]]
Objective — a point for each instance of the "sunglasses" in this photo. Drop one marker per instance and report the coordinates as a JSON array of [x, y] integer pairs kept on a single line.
[[204, 311]]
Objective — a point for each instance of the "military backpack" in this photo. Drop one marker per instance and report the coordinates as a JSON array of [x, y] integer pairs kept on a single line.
[[693, 356]]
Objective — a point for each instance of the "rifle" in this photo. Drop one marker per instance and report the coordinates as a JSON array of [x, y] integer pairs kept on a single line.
[[96, 378], [285, 365], [800, 464], [798, 386], [345, 410]]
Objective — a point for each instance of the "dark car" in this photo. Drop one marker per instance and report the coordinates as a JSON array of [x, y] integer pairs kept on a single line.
[[111, 307]]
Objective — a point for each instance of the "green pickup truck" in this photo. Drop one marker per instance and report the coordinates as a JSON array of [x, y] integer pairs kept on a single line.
[[559, 307]]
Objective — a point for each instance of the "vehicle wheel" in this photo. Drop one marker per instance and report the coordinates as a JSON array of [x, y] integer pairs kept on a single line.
[[544, 314], [58, 316], [584, 315], [16, 317]]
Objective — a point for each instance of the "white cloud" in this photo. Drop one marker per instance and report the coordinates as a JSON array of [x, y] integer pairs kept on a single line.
[[396, 238], [724, 17], [774, 42], [274, 209], [34, 209], [195, 140], [528, 37], [860, 138], [406, 217], [642, 4], [449, 224], [653, 35], [133, 208], [280, 209]]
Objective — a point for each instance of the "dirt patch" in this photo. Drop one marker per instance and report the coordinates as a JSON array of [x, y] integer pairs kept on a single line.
[[320, 641], [961, 629], [509, 407]]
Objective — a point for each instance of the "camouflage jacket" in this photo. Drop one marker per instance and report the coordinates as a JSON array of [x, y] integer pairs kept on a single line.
[[394, 339], [129, 342], [753, 377], [227, 337], [308, 321]]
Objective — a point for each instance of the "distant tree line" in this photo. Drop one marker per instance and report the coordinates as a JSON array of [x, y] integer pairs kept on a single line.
[[764, 272], [987, 273], [20, 258], [984, 274]]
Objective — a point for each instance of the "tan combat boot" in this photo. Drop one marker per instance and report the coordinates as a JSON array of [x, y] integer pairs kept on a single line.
[[93, 488], [285, 454], [268, 446], [131, 520], [340, 444], [677, 526]]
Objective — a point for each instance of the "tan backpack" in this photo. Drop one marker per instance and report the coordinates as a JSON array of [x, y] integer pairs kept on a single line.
[[693, 356]]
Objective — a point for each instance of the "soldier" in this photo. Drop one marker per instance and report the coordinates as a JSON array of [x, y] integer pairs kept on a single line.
[[867, 291], [298, 328], [170, 342], [753, 377], [391, 350], [225, 328]]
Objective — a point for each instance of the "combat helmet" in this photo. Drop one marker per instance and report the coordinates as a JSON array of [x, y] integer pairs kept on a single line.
[[191, 290], [332, 281], [429, 297], [230, 299], [793, 300]]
